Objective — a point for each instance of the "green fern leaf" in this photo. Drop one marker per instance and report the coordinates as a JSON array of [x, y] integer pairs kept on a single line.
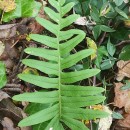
[[68, 101]]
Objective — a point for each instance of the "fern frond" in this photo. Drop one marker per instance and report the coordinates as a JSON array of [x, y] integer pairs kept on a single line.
[[68, 101]]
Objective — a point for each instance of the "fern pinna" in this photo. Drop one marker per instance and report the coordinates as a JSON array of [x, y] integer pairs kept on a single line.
[[69, 103]]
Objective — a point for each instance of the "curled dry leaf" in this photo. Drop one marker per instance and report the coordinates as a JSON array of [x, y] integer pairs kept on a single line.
[[7, 31], [105, 123], [81, 21], [7, 5], [123, 69], [122, 97]]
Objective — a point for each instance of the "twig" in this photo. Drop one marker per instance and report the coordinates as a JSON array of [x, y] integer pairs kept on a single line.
[[12, 89], [106, 80], [1, 17], [102, 38], [94, 78], [91, 125], [104, 35], [13, 85], [122, 42]]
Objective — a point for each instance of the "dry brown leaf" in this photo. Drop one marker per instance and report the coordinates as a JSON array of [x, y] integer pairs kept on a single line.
[[127, 106], [34, 26], [9, 54], [3, 95], [7, 5], [123, 69], [8, 124], [122, 97], [7, 31], [8, 109], [125, 123]]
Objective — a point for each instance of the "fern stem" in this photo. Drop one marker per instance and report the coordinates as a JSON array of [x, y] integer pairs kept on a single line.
[[59, 62]]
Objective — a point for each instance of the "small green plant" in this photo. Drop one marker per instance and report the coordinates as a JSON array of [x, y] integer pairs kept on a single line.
[[3, 79], [68, 103], [12, 9]]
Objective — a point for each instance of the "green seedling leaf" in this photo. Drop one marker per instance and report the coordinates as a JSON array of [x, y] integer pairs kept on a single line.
[[28, 8], [96, 31], [106, 28], [122, 13], [3, 79], [125, 53], [95, 14], [110, 48], [117, 115], [118, 2], [101, 51], [126, 86], [98, 60], [107, 64]]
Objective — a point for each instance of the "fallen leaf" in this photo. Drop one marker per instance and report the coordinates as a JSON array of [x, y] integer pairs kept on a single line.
[[7, 31], [3, 95], [8, 109], [123, 70], [8, 124], [9, 54], [34, 26], [122, 97], [7, 5], [125, 123], [81, 21], [105, 123]]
